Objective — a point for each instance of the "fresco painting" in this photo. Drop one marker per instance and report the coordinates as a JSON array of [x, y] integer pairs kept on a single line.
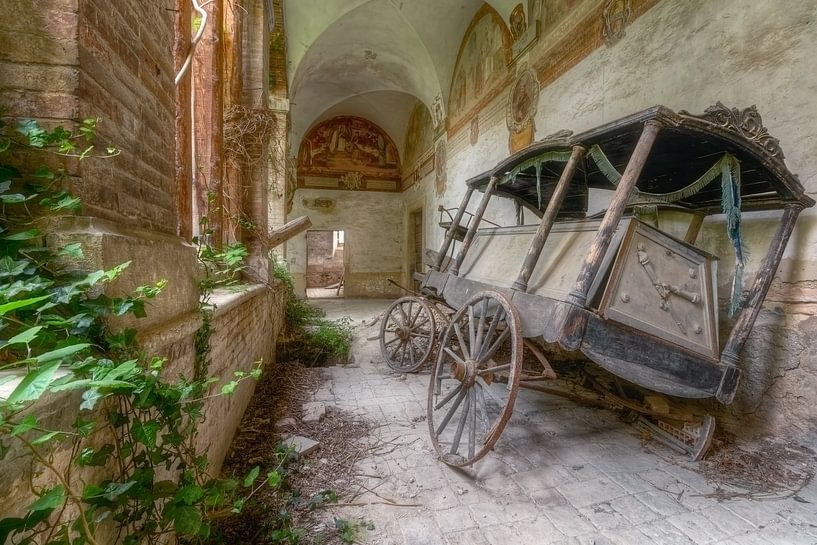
[[348, 144], [482, 66], [419, 135]]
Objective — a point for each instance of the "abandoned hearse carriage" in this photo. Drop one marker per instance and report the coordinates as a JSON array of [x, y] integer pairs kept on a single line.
[[613, 286]]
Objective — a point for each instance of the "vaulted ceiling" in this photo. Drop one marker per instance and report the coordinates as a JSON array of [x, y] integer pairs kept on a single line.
[[373, 58]]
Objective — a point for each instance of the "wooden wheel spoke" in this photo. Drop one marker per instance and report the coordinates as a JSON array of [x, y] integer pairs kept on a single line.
[[494, 347], [463, 347], [500, 314], [392, 341], [451, 412], [414, 318], [494, 369], [472, 334], [411, 355], [448, 397], [472, 428], [484, 420], [424, 321], [455, 357], [396, 349], [455, 445], [481, 327]]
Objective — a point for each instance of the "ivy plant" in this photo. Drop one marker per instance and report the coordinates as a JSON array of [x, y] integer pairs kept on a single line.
[[135, 472]]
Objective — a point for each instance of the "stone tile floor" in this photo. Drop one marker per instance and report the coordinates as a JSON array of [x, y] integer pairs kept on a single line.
[[560, 474]]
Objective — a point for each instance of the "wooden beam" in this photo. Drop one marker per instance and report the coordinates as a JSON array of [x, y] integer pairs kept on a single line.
[[452, 229], [615, 211], [208, 117], [184, 159], [575, 321], [287, 231], [763, 281], [548, 218], [234, 173], [475, 221]]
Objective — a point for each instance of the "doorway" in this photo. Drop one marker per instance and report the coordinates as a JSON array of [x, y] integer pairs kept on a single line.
[[416, 244], [325, 263]]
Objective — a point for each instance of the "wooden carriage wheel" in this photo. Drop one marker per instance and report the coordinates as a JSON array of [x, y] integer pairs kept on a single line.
[[482, 345], [407, 334]]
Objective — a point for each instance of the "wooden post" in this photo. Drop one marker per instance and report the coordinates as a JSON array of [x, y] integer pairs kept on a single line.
[[234, 173], [548, 218], [694, 228], [287, 231], [763, 281], [475, 221], [209, 122], [613, 215], [576, 320], [452, 229], [184, 158]]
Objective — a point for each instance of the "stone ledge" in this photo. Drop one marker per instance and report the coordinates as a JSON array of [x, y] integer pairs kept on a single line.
[[226, 299]]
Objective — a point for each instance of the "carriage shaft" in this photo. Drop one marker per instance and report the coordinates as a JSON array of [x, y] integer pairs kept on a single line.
[[452, 229], [472, 228], [615, 211], [549, 217]]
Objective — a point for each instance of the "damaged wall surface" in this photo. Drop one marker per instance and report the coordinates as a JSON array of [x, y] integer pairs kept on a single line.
[[373, 237]]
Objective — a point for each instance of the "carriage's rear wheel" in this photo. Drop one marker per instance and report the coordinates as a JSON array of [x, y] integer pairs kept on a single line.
[[481, 346], [407, 334]]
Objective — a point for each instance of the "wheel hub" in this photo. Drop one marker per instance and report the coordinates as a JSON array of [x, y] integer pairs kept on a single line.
[[467, 374], [404, 333]]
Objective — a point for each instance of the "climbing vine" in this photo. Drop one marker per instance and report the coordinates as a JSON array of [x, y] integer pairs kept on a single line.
[[127, 466]]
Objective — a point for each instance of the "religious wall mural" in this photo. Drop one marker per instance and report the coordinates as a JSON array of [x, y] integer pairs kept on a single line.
[[348, 152], [521, 109], [419, 135], [481, 70], [440, 167]]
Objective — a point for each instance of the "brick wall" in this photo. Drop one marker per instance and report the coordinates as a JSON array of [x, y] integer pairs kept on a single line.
[[65, 60], [244, 331], [39, 70], [126, 78]]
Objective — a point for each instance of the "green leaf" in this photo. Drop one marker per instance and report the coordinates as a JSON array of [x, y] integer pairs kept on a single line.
[[274, 479], [12, 198], [10, 267], [97, 458], [145, 432], [28, 423], [61, 353], [10, 525], [22, 303], [84, 427], [251, 476], [229, 388], [26, 336], [73, 251], [186, 520], [190, 494], [46, 437], [50, 500], [34, 384], [90, 398], [114, 490], [24, 235]]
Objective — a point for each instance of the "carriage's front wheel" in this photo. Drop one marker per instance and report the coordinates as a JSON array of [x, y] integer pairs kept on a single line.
[[481, 346], [407, 334]]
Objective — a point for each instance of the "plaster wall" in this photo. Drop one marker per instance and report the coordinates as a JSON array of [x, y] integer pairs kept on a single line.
[[689, 55], [373, 238]]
